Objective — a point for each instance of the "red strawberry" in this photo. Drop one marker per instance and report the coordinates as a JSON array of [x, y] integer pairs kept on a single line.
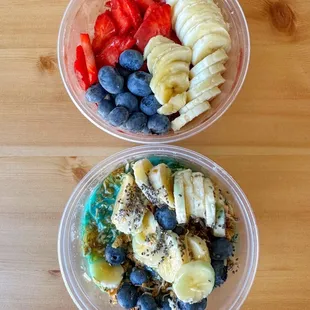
[[143, 5], [132, 11], [120, 18], [157, 21], [113, 48], [90, 58], [81, 69], [104, 29]]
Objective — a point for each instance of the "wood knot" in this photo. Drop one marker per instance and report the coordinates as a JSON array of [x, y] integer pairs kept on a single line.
[[54, 272], [47, 63], [282, 17], [79, 173]]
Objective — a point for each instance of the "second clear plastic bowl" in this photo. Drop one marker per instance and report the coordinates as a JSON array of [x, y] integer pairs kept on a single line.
[[72, 263], [80, 17]]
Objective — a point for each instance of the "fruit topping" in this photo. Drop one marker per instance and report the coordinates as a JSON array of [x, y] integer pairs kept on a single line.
[[89, 58], [111, 80], [139, 276], [131, 60], [95, 93], [127, 100], [127, 296], [81, 69], [115, 256], [136, 122], [139, 83]]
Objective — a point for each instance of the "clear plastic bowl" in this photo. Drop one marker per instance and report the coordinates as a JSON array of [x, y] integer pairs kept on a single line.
[[80, 17], [73, 265]]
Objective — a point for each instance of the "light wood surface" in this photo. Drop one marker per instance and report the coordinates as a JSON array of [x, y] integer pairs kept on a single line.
[[46, 146]]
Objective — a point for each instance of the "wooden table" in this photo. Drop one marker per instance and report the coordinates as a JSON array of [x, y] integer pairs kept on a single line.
[[263, 141]]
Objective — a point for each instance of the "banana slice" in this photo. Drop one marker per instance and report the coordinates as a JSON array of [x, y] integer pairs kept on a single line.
[[161, 179], [188, 5], [209, 44], [179, 198], [194, 281], [189, 191], [174, 105], [170, 86], [128, 209], [198, 248], [198, 195], [105, 275], [158, 52], [218, 56], [187, 21], [217, 68], [209, 202], [180, 53], [219, 229], [149, 256], [170, 69], [141, 169], [154, 42], [209, 83], [187, 117], [200, 30], [175, 258], [202, 98]]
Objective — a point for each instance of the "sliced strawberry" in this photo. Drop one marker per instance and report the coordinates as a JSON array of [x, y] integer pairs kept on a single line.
[[157, 21], [81, 69], [120, 18], [174, 37], [143, 5], [90, 58], [113, 48], [132, 11], [104, 29]]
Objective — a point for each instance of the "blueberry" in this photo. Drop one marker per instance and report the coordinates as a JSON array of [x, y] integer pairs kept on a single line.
[[118, 116], [122, 71], [127, 296], [146, 130], [115, 256], [220, 272], [131, 60], [139, 276], [105, 107], [149, 105], [221, 249], [136, 122], [197, 306], [180, 230], [127, 100], [95, 93], [147, 302], [159, 123], [152, 272], [111, 80], [166, 218], [166, 304], [139, 83]]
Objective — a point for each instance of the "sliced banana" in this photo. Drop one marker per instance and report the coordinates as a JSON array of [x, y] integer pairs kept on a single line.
[[194, 281], [154, 42], [171, 69], [209, 44], [189, 191], [198, 248], [161, 179], [209, 202], [188, 20], [218, 56], [174, 105], [198, 195], [128, 209], [187, 117], [105, 275], [219, 229], [175, 258], [179, 198], [200, 30], [202, 98], [158, 52], [217, 68], [209, 83], [141, 169]]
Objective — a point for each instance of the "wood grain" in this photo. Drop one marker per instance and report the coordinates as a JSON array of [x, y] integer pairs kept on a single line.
[[46, 146]]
